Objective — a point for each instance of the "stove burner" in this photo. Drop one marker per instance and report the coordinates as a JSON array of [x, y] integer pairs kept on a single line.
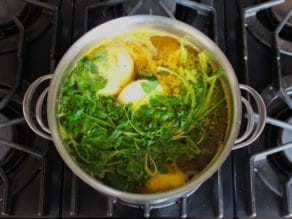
[[261, 19], [282, 161], [5, 133], [19, 167], [277, 167], [286, 137], [104, 11], [32, 18], [163, 7], [280, 12], [193, 13], [10, 8]]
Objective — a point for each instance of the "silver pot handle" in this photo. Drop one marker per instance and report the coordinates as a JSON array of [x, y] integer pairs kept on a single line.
[[251, 133], [253, 129], [37, 125]]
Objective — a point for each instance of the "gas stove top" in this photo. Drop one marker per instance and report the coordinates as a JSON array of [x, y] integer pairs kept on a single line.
[[254, 181], [260, 50]]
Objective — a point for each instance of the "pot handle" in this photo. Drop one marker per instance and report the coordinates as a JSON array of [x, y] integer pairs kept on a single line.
[[251, 133], [36, 123], [253, 129]]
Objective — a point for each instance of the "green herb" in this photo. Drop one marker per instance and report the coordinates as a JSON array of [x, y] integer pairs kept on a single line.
[[149, 86], [203, 60], [123, 147], [86, 77], [147, 76]]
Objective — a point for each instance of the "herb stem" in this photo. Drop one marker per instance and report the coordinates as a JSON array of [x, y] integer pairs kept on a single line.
[[132, 125], [98, 120]]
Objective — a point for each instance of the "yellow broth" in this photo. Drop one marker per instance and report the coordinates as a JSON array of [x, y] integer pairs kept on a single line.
[[144, 111]]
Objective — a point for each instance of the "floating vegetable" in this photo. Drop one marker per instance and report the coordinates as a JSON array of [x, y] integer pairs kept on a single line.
[[159, 182], [138, 92], [116, 65]]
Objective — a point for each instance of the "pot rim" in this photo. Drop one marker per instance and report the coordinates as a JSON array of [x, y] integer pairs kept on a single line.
[[117, 27]]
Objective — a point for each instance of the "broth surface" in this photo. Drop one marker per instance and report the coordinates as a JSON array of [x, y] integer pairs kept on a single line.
[[144, 111]]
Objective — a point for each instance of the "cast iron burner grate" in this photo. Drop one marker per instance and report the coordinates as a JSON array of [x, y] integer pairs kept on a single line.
[[281, 10], [4, 134], [191, 12], [8, 9], [199, 15], [262, 19], [22, 44], [17, 16], [21, 160], [22, 157], [277, 97]]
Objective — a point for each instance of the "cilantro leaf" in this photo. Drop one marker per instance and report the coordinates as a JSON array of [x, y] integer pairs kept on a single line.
[[149, 86]]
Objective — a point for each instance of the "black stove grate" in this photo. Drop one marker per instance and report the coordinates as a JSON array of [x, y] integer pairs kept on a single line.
[[196, 7], [22, 46], [278, 65], [260, 21], [20, 52], [258, 162], [287, 196], [24, 35], [6, 200], [247, 15]]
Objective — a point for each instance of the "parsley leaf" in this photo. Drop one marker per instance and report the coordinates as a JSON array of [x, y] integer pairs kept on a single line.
[[149, 86]]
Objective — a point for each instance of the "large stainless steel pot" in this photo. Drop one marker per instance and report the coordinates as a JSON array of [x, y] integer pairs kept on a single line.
[[117, 27]]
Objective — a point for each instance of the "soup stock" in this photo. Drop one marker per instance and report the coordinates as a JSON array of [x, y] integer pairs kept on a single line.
[[165, 79]]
